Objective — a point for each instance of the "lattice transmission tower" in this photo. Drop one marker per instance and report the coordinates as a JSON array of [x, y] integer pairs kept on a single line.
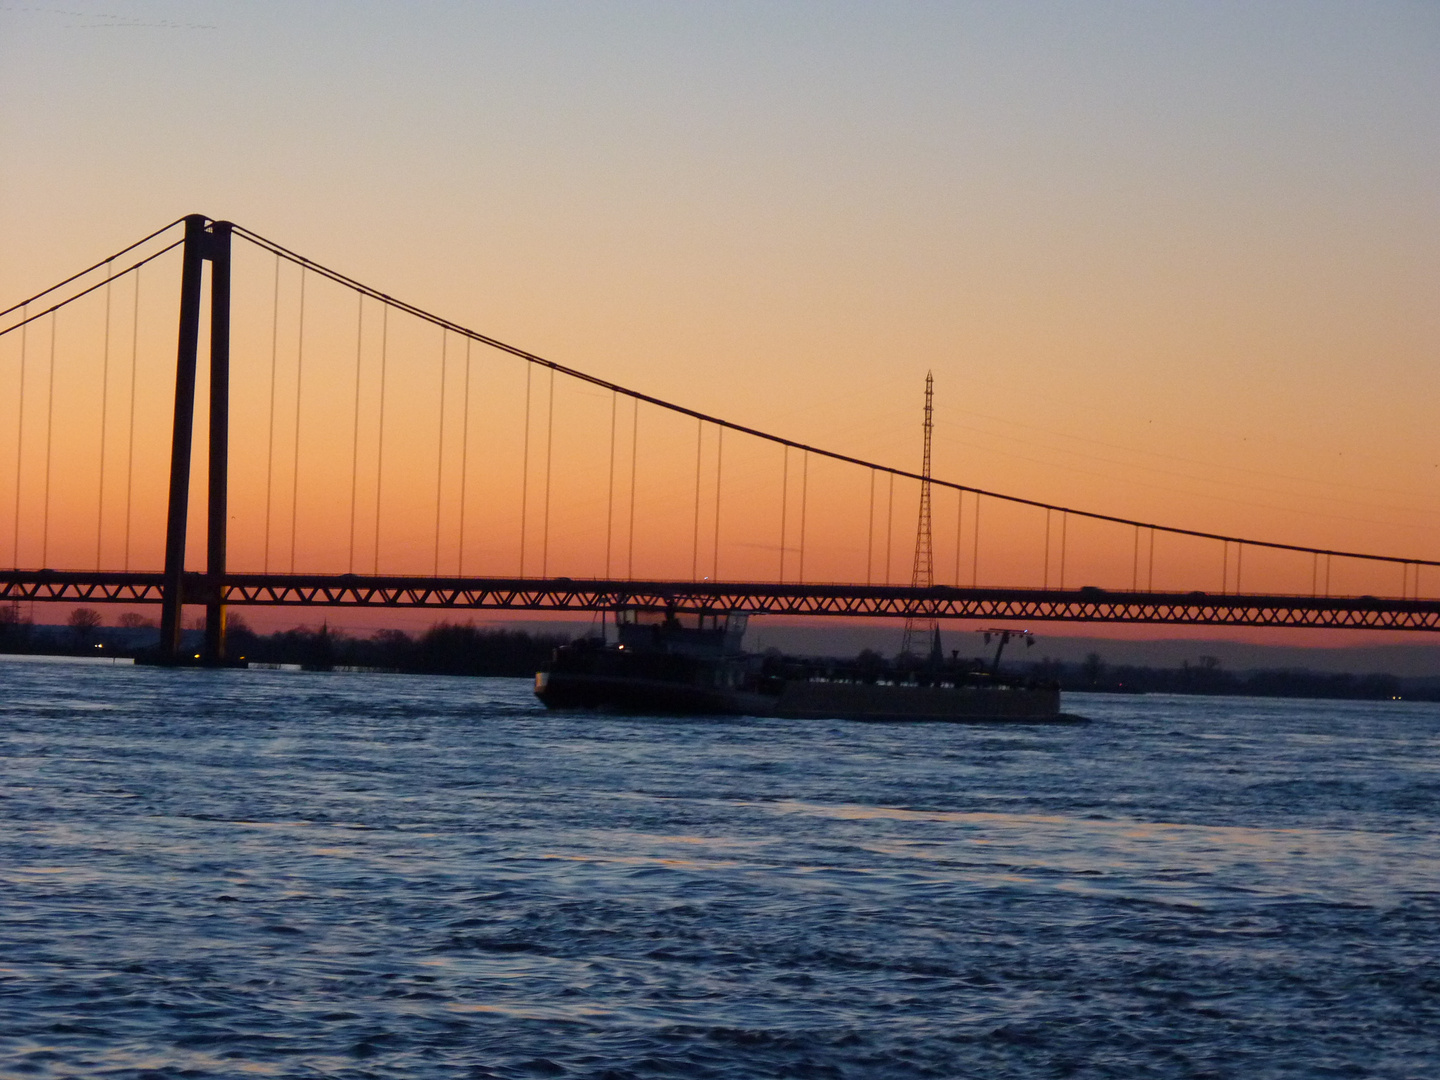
[[924, 633]]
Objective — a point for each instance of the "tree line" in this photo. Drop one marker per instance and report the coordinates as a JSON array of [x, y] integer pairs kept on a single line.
[[443, 649], [464, 649], [1208, 677]]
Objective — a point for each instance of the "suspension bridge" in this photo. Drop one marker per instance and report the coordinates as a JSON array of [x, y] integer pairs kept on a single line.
[[352, 449]]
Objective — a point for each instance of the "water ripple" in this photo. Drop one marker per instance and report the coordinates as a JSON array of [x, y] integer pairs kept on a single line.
[[295, 875]]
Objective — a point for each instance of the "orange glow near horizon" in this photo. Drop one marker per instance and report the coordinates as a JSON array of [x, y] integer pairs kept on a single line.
[[1172, 264], [450, 439]]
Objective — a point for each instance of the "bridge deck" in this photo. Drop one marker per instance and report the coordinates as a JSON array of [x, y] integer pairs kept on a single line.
[[855, 601]]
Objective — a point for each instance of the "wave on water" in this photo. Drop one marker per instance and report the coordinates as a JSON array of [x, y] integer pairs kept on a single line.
[[216, 873]]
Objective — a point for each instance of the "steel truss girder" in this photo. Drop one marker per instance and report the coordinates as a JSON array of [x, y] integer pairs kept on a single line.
[[82, 587], [855, 601]]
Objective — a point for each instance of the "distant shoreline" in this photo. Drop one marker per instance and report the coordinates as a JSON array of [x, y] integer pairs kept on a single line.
[[1134, 681], [65, 658]]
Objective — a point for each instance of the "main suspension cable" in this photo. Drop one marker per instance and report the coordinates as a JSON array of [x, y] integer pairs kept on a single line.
[[534, 359], [27, 319], [97, 266]]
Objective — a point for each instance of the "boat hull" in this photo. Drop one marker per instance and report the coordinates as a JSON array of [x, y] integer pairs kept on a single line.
[[805, 699], [882, 702]]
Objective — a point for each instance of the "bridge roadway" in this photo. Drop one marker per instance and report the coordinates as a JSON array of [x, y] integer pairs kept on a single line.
[[856, 601]]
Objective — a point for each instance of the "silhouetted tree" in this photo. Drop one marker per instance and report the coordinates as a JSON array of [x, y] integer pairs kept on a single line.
[[239, 638], [1047, 670], [871, 665], [83, 622]]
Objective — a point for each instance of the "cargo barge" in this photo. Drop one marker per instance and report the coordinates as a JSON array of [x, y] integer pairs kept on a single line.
[[659, 666]]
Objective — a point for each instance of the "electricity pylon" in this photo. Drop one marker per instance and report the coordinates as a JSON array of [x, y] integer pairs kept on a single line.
[[924, 633]]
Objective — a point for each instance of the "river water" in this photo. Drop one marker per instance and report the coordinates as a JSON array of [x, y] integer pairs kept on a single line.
[[302, 875]]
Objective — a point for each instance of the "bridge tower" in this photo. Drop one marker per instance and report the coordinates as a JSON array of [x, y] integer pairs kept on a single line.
[[205, 241], [923, 635]]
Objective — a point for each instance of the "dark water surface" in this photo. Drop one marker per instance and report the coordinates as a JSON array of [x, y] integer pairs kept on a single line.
[[283, 874]]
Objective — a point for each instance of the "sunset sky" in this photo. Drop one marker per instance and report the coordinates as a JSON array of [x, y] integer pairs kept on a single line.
[[1172, 261]]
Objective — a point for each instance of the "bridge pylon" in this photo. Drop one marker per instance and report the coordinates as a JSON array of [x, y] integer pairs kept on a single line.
[[205, 241]]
